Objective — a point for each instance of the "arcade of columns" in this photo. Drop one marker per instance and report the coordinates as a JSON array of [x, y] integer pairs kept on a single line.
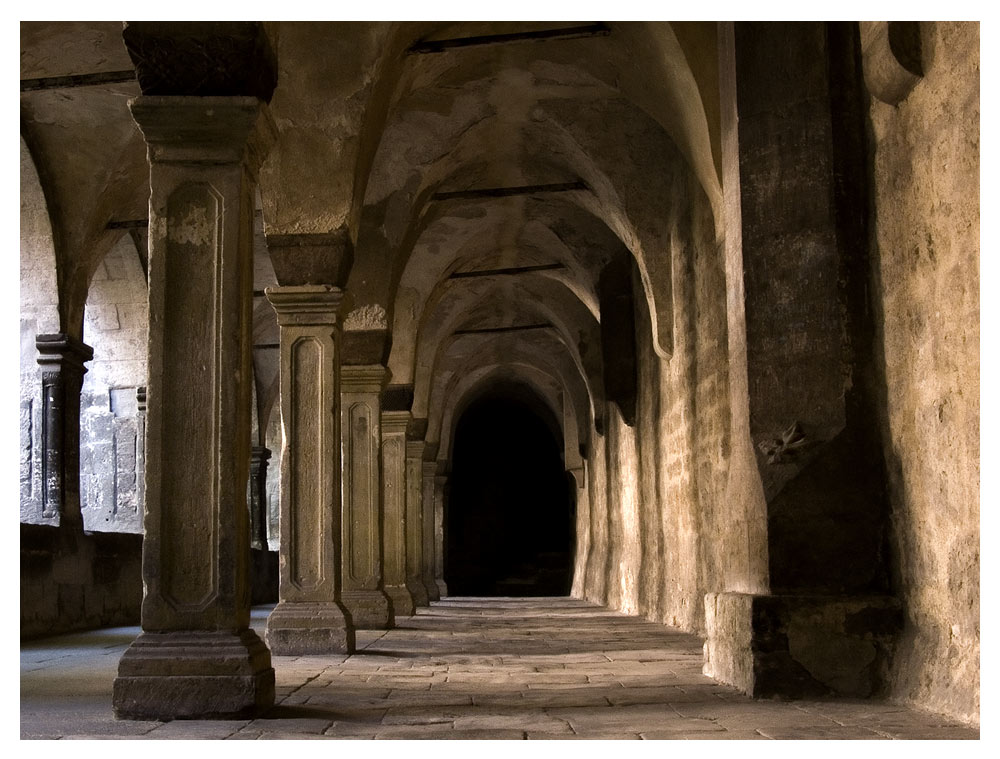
[[363, 492]]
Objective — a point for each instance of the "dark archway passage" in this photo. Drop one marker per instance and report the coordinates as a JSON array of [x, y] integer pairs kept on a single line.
[[509, 513]]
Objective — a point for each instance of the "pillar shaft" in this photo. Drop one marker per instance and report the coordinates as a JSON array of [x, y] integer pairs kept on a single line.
[[62, 360], [414, 522], [140, 449], [427, 499], [310, 617], [440, 495], [364, 591], [196, 655], [806, 467], [259, 456], [394, 424]]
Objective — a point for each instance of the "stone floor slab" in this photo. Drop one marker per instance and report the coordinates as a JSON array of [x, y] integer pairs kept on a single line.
[[470, 669]]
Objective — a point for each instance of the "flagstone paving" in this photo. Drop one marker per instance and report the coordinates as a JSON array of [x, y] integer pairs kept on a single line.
[[470, 668]]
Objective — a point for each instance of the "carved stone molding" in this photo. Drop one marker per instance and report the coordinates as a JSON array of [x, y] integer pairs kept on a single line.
[[204, 130]]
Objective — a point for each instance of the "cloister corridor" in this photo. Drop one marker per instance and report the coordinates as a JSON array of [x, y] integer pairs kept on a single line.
[[499, 379], [471, 668]]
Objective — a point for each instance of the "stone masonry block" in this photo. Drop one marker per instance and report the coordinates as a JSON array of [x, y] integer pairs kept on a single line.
[[801, 646]]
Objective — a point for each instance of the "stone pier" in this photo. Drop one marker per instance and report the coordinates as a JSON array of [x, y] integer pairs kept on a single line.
[[310, 617], [394, 488], [414, 521], [364, 593], [429, 470], [196, 655]]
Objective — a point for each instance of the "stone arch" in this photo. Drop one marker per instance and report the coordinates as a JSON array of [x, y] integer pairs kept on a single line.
[[534, 297], [504, 427], [560, 135], [503, 350], [561, 406], [39, 314], [116, 324]]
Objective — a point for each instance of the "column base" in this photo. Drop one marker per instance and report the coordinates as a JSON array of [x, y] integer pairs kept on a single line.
[[402, 601], [369, 609], [194, 675], [417, 591], [305, 628], [801, 646], [433, 594], [442, 589]]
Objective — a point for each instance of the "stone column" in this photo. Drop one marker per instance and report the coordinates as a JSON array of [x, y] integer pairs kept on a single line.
[[361, 409], [394, 424], [259, 456], [414, 522], [440, 494], [309, 617], [427, 499], [197, 656], [62, 360], [140, 449], [807, 613]]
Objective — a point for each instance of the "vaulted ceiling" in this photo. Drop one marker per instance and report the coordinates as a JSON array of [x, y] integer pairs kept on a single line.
[[487, 174]]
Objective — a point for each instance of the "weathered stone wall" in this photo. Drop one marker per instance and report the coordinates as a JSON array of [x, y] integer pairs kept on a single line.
[[659, 533], [78, 582], [111, 446], [926, 260]]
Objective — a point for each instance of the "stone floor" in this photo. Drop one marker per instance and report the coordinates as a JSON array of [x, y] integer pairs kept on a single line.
[[469, 668]]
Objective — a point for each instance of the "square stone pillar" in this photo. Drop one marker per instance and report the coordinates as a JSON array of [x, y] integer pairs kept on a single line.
[[196, 656], [414, 522], [62, 360], [427, 499], [394, 424], [440, 494], [806, 610], [309, 617], [361, 411]]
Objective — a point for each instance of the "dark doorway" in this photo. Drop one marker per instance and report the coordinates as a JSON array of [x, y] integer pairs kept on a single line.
[[509, 515]]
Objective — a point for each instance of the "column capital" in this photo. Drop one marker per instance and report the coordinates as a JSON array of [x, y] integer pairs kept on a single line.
[[366, 378], [309, 259], [189, 130], [61, 351], [414, 449], [306, 305], [395, 422], [259, 455]]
